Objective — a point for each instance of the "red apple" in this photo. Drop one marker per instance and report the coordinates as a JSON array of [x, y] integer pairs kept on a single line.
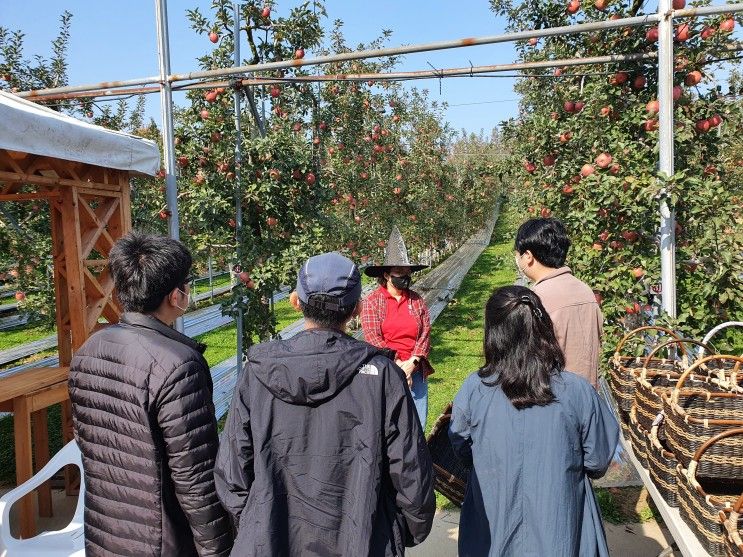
[[586, 170], [601, 5], [567, 189], [707, 32], [549, 160], [727, 25], [231, 223], [638, 272], [204, 114], [557, 72], [565, 137], [615, 244], [573, 6], [529, 166], [299, 53], [639, 82], [650, 125], [703, 126], [715, 120], [182, 162], [213, 37], [630, 235], [275, 91], [274, 174], [597, 246], [397, 191], [164, 214], [357, 219], [683, 32], [653, 107], [568, 106], [652, 35], [272, 221], [211, 96], [310, 178], [604, 236], [216, 137], [533, 41], [579, 106], [20, 296], [603, 160], [554, 115], [605, 111], [266, 13], [619, 78], [677, 92], [693, 78], [545, 212], [678, 4]]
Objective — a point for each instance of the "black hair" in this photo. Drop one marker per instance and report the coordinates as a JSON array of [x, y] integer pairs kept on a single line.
[[546, 239], [322, 316], [381, 281], [521, 350], [146, 268]]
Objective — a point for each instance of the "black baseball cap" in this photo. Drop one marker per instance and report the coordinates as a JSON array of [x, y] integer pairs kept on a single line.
[[329, 281]]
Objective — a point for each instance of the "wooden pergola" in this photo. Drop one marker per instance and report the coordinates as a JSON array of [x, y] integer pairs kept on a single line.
[[83, 172]]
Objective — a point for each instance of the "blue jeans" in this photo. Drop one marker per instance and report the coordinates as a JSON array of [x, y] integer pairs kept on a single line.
[[419, 390]]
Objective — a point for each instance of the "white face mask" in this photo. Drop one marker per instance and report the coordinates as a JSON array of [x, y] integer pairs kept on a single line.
[[184, 309]]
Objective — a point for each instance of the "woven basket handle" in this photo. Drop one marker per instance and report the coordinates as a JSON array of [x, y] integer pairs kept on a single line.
[[732, 521], [629, 335], [681, 342], [691, 472], [716, 330], [699, 363]]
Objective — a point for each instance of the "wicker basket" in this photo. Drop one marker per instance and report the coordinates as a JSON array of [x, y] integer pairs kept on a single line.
[[638, 437], [622, 368], [703, 507], [652, 382], [624, 424], [693, 415], [662, 467], [731, 531], [450, 473]]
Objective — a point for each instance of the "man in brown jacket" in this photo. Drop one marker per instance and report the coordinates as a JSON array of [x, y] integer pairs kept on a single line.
[[541, 247]]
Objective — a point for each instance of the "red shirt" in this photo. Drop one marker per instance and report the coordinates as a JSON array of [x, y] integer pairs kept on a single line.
[[399, 328]]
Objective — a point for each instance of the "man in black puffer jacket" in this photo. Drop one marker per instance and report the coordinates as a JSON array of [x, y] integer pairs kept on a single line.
[[141, 395], [323, 453]]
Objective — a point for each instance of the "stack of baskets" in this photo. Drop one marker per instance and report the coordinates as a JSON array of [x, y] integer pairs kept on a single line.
[[685, 425]]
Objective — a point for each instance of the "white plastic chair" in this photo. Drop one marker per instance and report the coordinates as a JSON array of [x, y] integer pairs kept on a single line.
[[68, 542]]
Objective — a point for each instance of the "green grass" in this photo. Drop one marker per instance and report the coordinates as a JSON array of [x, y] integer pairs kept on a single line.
[[626, 505], [23, 334], [456, 336]]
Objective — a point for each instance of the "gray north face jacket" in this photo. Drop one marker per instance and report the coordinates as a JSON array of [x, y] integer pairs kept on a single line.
[[323, 453], [142, 406]]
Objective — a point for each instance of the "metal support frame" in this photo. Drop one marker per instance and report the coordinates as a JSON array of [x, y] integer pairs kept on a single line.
[[166, 107], [665, 156], [664, 18], [236, 93]]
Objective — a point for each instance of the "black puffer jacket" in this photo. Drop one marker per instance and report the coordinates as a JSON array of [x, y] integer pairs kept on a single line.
[[142, 406], [323, 453]]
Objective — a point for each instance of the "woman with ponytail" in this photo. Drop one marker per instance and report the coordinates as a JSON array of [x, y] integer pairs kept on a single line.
[[534, 433]]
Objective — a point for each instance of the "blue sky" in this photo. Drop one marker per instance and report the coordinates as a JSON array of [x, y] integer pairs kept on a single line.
[[116, 40]]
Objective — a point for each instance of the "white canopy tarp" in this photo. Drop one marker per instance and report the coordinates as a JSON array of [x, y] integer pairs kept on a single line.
[[31, 128]]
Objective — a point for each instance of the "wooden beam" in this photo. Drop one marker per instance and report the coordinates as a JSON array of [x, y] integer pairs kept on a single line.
[[47, 181], [93, 263], [24, 468], [41, 457], [28, 381], [27, 196], [73, 262]]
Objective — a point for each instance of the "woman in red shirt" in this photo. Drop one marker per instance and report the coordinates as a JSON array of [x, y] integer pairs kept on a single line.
[[395, 317]]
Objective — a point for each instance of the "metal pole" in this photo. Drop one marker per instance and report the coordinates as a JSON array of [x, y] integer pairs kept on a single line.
[[166, 109], [637, 21], [665, 155], [238, 174]]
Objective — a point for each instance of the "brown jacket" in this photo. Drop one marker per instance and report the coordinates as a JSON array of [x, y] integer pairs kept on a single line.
[[577, 319]]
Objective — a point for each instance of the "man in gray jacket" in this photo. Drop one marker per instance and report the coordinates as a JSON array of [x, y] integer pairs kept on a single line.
[[142, 407], [322, 453]]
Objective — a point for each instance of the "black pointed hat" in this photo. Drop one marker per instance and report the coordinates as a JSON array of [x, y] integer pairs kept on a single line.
[[395, 255]]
